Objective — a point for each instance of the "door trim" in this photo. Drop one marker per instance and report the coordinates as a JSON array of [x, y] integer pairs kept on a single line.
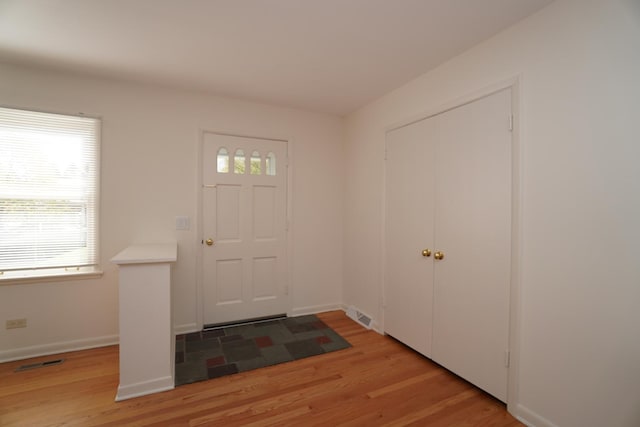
[[516, 219], [200, 226]]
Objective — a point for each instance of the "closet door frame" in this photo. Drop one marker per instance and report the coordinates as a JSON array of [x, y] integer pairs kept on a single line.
[[516, 220]]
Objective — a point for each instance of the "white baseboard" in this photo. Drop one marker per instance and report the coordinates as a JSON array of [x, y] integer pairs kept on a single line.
[[314, 309], [146, 387], [55, 348], [530, 418]]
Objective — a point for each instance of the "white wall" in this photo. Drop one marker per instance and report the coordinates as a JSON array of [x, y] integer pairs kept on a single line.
[[150, 138], [579, 68]]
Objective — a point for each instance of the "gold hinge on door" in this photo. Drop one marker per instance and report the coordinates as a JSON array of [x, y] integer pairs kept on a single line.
[[507, 358]]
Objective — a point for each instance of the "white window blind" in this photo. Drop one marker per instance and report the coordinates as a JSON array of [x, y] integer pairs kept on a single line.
[[48, 192]]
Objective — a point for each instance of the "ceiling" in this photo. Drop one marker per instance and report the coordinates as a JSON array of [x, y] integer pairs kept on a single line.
[[329, 56]]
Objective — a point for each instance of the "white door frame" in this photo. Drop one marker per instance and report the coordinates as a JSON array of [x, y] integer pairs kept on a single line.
[[288, 162], [516, 224]]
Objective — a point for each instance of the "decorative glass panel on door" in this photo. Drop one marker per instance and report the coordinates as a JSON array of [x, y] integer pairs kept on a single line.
[[271, 164], [238, 162], [256, 163], [223, 160]]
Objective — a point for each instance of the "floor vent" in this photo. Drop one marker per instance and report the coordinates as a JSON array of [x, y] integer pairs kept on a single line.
[[360, 317], [39, 365]]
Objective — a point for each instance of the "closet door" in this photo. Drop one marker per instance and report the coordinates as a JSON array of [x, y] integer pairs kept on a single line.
[[448, 190], [409, 230], [473, 231]]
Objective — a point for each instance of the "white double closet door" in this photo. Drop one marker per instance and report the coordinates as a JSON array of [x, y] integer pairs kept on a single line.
[[448, 191]]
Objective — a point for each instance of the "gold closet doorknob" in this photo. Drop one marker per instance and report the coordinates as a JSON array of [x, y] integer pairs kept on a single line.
[[438, 255], [209, 242], [426, 252]]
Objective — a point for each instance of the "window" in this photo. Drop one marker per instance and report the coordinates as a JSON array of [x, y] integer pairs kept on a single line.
[[223, 160], [48, 194], [238, 162], [271, 164], [256, 163]]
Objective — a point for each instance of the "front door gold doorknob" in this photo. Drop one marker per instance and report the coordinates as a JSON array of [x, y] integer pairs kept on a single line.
[[426, 252], [438, 255], [209, 242]]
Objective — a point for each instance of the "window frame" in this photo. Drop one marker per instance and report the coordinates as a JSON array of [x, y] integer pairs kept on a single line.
[[58, 274]]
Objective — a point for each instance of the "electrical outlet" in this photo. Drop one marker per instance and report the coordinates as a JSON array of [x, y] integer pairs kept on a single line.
[[16, 323]]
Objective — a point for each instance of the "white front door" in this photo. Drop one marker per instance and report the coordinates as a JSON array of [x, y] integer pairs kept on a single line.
[[244, 205]]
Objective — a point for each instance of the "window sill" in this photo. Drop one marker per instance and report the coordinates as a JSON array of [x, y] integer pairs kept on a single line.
[[30, 277]]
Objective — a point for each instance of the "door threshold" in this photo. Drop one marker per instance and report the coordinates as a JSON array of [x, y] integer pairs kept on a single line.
[[213, 326]]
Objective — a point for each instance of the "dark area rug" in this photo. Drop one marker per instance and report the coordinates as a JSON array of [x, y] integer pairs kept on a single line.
[[215, 353]]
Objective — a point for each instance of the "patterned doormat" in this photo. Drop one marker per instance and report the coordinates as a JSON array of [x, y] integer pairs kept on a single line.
[[211, 354]]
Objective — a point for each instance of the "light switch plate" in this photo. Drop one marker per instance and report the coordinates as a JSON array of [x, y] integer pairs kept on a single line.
[[182, 223]]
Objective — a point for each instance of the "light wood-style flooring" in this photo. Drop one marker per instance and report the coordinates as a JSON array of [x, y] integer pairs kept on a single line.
[[376, 382]]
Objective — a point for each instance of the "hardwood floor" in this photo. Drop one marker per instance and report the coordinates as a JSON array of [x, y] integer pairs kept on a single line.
[[376, 382]]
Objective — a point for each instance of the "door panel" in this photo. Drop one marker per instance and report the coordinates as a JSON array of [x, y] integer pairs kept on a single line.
[[409, 229], [265, 278], [229, 281], [244, 271], [473, 230], [264, 209], [227, 212]]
